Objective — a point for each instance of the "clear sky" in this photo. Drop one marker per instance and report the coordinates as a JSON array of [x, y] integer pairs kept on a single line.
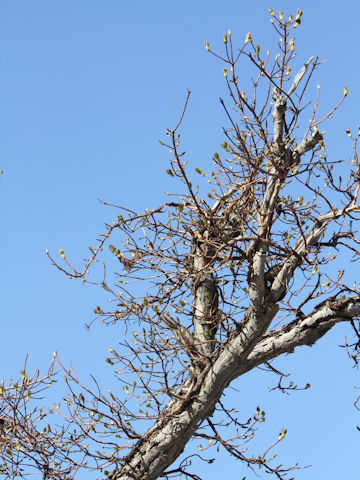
[[86, 90]]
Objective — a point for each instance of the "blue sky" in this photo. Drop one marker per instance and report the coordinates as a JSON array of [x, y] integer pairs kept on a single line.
[[86, 90]]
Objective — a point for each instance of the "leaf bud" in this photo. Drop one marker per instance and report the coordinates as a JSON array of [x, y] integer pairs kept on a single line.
[[207, 46], [225, 38], [248, 38], [297, 18]]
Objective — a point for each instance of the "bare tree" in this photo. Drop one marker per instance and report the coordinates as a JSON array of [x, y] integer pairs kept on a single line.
[[218, 281]]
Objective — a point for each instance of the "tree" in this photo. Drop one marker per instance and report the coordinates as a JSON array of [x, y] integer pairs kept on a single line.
[[216, 281]]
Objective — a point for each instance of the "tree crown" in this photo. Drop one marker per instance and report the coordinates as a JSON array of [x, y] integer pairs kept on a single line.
[[216, 281]]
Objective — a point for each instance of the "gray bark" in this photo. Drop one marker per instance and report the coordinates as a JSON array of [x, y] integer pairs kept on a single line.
[[205, 316], [165, 441]]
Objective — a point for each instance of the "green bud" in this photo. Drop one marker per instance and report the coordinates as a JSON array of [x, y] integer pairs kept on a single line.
[[248, 38]]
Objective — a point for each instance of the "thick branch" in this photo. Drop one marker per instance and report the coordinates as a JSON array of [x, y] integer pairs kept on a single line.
[[278, 114], [257, 307], [205, 302], [309, 143], [305, 331], [166, 440]]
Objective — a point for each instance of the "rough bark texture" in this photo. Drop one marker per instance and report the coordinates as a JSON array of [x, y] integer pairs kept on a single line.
[[165, 441]]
